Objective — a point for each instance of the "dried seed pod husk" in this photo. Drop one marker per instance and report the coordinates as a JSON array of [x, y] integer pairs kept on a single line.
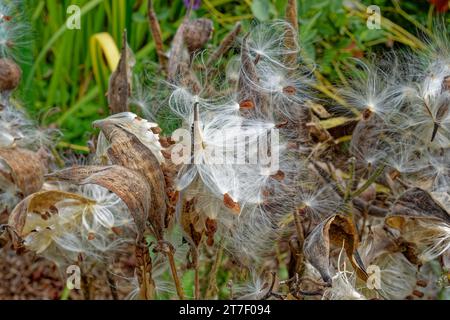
[[197, 33], [10, 75], [128, 151], [417, 203], [120, 81], [27, 170], [144, 271], [337, 230], [127, 184], [225, 45], [189, 222], [41, 203]]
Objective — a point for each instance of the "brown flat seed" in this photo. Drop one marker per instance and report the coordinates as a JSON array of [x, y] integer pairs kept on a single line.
[[421, 283], [231, 204], [91, 236], [289, 90], [117, 231], [246, 104], [279, 176], [366, 114], [156, 130], [418, 293]]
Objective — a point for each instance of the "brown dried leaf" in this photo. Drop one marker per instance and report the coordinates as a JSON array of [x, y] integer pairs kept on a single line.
[[339, 231], [127, 184], [27, 169]]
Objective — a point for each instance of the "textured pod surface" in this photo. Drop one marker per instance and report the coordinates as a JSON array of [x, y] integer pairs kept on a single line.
[[10, 75], [43, 204], [197, 33], [27, 171], [128, 185], [120, 81], [128, 151], [417, 203]]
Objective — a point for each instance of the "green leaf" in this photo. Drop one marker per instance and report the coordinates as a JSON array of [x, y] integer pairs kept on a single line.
[[260, 9]]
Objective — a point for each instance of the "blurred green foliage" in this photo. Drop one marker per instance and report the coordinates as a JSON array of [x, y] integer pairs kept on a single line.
[[59, 87]]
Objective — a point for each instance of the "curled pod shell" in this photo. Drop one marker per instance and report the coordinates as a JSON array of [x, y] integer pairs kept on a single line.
[[197, 33], [10, 75], [21, 169]]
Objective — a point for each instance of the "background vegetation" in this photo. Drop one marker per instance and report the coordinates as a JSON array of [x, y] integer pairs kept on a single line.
[[63, 88]]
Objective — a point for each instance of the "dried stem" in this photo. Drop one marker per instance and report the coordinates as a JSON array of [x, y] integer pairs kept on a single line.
[[291, 33], [212, 282], [168, 250], [144, 271], [112, 285], [369, 181], [157, 36]]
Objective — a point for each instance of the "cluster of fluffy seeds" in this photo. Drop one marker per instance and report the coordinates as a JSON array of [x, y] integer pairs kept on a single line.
[[241, 148], [89, 232]]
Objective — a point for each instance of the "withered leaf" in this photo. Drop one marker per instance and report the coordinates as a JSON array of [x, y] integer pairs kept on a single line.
[[27, 169], [339, 231], [127, 184]]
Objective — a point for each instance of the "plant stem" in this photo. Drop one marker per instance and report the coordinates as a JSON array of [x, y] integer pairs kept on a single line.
[[173, 269], [368, 182]]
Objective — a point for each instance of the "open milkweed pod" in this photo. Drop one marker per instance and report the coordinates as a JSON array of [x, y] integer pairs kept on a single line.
[[127, 149], [337, 230], [128, 185], [37, 213], [423, 221], [145, 131], [21, 174]]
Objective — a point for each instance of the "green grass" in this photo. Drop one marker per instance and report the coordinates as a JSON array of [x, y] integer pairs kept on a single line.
[[61, 90]]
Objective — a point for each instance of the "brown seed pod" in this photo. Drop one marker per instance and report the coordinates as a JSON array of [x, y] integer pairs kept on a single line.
[[128, 185], [197, 33], [128, 151], [41, 203], [120, 81], [10, 75], [339, 231], [27, 170], [419, 204]]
